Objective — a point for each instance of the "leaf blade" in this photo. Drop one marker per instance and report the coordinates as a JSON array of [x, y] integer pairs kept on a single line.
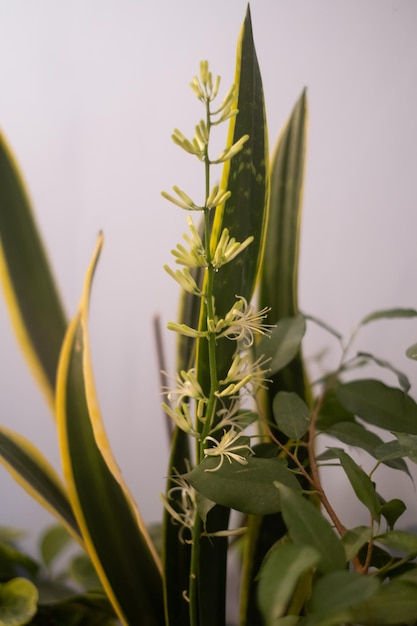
[[130, 570], [33, 301]]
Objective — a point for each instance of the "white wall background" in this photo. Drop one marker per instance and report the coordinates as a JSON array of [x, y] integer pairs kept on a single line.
[[90, 92]]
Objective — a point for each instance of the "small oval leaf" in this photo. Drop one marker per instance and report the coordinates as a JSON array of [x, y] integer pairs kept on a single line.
[[291, 414]]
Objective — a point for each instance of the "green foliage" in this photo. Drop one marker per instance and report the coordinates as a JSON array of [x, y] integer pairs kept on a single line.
[[246, 418]]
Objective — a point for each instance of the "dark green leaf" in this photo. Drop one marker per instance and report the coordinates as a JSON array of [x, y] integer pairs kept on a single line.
[[399, 540], [392, 511], [393, 604], [307, 526], [389, 450], [409, 445], [354, 434], [337, 593], [332, 412], [279, 575], [283, 344], [247, 488], [361, 483], [380, 405], [354, 539], [291, 414]]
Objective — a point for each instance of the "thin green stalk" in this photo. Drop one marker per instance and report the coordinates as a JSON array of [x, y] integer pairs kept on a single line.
[[212, 400]]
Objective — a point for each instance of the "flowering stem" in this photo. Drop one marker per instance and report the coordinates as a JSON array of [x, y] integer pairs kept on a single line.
[[211, 404]]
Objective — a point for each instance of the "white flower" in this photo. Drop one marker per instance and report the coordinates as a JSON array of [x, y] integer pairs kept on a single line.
[[184, 509], [241, 323], [243, 372], [187, 387], [228, 447]]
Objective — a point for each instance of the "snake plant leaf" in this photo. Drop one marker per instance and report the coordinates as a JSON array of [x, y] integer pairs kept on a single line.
[[31, 295], [35, 474], [18, 602], [279, 277], [246, 176], [244, 214], [113, 531], [177, 551], [279, 290]]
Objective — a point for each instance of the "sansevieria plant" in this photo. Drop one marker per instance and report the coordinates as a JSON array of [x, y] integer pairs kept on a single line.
[[244, 475]]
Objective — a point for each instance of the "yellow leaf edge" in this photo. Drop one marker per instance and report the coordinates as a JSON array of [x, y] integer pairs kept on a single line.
[[98, 430], [32, 451]]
